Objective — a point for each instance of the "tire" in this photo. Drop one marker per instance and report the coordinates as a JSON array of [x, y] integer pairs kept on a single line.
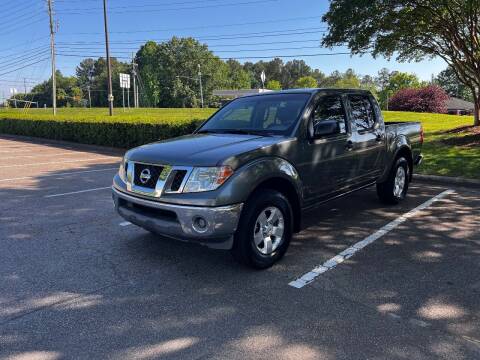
[[395, 188], [261, 247]]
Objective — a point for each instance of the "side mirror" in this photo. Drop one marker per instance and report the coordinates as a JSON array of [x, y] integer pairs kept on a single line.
[[323, 129]]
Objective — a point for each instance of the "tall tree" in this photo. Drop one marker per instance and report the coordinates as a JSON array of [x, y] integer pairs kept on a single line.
[[412, 29], [449, 81], [170, 71]]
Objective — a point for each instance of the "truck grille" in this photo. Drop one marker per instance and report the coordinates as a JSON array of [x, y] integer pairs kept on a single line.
[[146, 175], [177, 180]]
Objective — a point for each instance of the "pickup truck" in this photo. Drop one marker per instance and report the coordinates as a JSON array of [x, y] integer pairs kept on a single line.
[[243, 180]]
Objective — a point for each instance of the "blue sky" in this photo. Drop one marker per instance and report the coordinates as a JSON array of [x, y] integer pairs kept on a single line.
[[239, 29]]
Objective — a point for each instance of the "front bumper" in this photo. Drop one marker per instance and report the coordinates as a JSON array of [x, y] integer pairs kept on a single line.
[[181, 222]]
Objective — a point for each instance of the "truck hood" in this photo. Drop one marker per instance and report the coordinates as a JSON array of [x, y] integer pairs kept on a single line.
[[202, 149]]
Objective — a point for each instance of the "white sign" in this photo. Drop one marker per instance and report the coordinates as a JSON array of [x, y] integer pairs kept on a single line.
[[13, 91], [125, 81], [263, 77]]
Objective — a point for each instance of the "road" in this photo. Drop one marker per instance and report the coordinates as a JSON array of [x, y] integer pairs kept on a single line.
[[77, 282]]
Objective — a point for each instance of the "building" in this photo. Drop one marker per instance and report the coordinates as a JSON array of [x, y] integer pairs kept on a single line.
[[457, 106]]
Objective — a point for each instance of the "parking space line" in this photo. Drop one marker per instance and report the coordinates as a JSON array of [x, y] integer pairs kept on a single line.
[[60, 162], [77, 192], [42, 155], [310, 276], [59, 174]]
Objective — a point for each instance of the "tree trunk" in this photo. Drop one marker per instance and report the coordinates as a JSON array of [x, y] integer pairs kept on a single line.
[[476, 99]]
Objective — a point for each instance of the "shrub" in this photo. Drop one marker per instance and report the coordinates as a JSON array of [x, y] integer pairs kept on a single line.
[[430, 99], [114, 134]]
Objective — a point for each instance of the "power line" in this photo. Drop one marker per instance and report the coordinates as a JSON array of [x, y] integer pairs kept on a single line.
[[133, 10], [257, 34], [23, 67], [227, 58], [200, 27]]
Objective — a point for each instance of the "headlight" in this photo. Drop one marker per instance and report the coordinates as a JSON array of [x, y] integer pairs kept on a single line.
[[122, 172], [207, 178]]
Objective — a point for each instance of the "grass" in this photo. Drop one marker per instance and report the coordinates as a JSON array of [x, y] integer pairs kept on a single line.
[[101, 115], [447, 152], [451, 147]]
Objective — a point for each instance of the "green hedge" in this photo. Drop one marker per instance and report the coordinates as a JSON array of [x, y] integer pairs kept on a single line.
[[114, 134]]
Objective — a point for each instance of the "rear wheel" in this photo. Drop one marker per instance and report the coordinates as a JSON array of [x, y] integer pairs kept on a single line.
[[395, 188], [264, 230]]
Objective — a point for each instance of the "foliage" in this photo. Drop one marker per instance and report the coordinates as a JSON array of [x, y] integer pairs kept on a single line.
[[431, 99], [306, 82], [392, 82], [92, 126], [171, 72], [448, 80], [273, 85], [412, 30]]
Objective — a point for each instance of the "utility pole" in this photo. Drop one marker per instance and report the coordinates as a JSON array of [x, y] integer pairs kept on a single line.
[[89, 97], [200, 81], [52, 51], [25, 86], [134, 73], [109, 69]]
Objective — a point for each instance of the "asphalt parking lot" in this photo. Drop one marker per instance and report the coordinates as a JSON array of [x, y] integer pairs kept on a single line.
[[76, 281]]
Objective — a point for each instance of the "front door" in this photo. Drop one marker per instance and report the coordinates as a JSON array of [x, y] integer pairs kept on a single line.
[[326, 161]]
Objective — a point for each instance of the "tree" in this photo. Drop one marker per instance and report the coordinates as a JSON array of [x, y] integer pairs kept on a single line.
[[273, 85], [170, 72], [397, 81], [306, 82], [412, 29], [237, 77], [294, 70], [449, 81], [430, 99]]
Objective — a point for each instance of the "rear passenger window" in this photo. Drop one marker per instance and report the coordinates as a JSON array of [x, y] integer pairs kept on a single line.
[[362, 112], [330, 107]]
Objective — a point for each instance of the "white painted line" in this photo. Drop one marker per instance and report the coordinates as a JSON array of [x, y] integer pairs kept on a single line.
[[77, 192], [59, 174], [309, 277], [125, 223], [41, 155], [59, 162]]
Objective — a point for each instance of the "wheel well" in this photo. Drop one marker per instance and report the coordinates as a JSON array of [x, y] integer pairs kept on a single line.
[[407, 154], [288, 190]]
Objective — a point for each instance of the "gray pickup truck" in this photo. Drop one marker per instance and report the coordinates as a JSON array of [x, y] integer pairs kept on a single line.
[[243, 180]]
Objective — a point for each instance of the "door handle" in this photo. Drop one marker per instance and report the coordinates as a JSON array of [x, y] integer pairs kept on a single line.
[[349, 145]]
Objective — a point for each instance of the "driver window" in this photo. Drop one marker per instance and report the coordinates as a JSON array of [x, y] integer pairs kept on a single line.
[[330, 107]]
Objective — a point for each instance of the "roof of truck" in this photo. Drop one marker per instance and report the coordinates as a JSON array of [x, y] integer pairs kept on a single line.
[[313, 91]]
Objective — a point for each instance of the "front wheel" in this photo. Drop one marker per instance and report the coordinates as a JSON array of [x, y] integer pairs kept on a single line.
[[264, 230], [395, 188]]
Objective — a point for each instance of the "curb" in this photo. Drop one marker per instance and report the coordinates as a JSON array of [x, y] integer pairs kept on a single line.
[[447, 180]]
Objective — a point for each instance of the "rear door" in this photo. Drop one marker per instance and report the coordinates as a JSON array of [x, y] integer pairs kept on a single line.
[[368, 137]]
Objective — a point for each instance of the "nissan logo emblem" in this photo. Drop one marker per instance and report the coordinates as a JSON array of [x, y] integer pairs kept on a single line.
[[145, 175]]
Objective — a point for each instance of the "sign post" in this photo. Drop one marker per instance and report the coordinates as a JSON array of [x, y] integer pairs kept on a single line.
[[263, 77], [14, 91], [125, 84]]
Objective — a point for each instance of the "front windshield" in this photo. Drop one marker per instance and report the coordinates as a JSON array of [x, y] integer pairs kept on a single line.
[[274, 114]]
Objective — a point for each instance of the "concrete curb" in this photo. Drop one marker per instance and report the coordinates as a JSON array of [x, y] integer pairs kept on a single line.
[[447, 180]]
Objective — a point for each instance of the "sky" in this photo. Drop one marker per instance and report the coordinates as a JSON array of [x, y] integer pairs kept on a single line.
[[241, 29]]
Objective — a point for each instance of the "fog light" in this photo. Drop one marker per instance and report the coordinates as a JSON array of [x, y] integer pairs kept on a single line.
[[199, 224]]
